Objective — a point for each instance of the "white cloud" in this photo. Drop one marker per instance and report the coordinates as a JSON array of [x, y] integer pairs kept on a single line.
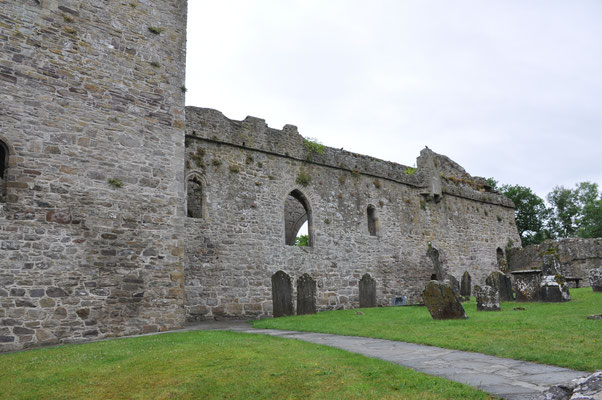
[[507, 88]]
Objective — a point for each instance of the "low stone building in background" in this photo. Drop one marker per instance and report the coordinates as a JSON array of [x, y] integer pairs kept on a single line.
[[572, 258]]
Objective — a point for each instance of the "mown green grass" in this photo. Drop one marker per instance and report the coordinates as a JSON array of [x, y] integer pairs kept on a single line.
[[548, 333], [213, 365]]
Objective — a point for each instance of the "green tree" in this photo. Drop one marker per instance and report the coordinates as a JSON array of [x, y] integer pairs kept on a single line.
[[302, 240], [530, 214], [576, 212]]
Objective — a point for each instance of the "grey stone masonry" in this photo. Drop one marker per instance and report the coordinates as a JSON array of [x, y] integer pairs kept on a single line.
[[92, 115], [366, 216], [572, 258], [123, 212]]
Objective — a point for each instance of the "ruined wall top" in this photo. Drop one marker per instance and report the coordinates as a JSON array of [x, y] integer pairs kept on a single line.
[[567, 251], [435, 174]]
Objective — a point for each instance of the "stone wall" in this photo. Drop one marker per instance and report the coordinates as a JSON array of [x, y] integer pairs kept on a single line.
[[248, 171], [576, 256], [89, 94], [94, 241]]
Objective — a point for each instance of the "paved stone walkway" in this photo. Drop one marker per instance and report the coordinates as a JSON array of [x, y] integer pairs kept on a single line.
[[508, 379]]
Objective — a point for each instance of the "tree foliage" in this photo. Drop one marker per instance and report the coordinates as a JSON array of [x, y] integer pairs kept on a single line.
[[302, 240], [576, 212], [530, 213], [571, 212]]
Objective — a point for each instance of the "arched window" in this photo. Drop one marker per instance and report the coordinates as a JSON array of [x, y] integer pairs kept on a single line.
[[296, 214], [372, 220], [195, 197], [3, 168]]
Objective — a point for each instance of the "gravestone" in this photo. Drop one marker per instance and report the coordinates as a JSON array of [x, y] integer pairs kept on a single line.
[[488, 299], [595, 279], [367, 291], [527, 284], [306, 295], [553, 289], [466, 285], [502, 284], [442, 301], [282, 294]]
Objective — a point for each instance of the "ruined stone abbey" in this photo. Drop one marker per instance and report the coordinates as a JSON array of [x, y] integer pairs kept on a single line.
[[122, 211]]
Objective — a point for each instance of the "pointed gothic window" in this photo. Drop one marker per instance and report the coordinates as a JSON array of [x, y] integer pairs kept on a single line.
[[296, 214]]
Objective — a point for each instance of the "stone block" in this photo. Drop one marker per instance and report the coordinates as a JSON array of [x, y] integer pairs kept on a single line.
[[56, 292], [17, 330]]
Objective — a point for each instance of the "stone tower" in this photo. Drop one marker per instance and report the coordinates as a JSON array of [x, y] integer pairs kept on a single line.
[[91, 147]]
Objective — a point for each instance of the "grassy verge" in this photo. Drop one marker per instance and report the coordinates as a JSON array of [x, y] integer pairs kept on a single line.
[[206, 365], [549, 333]]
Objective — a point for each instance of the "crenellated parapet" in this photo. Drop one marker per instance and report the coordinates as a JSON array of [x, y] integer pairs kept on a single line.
[[436, 174]]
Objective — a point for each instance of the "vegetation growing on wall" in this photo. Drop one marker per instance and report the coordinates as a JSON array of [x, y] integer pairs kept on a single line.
[[197, 157], [313, 147], [115, 182], [303, 179]]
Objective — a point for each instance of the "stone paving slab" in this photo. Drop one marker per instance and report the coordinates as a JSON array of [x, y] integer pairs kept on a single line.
[[505, 378]]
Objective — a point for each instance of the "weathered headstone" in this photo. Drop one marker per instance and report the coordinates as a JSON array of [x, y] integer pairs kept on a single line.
[[553, 289], [442, 301], [488, 299], [502, 284], [367, 291], [527, 284], [595, 279], [282, 294], [466, 285], [306, 295]]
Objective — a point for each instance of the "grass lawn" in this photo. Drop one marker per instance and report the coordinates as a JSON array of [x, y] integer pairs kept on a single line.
[[549, 333], [212, 364]]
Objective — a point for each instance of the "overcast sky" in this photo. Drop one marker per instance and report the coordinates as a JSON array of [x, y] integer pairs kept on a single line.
[[510, 89]]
